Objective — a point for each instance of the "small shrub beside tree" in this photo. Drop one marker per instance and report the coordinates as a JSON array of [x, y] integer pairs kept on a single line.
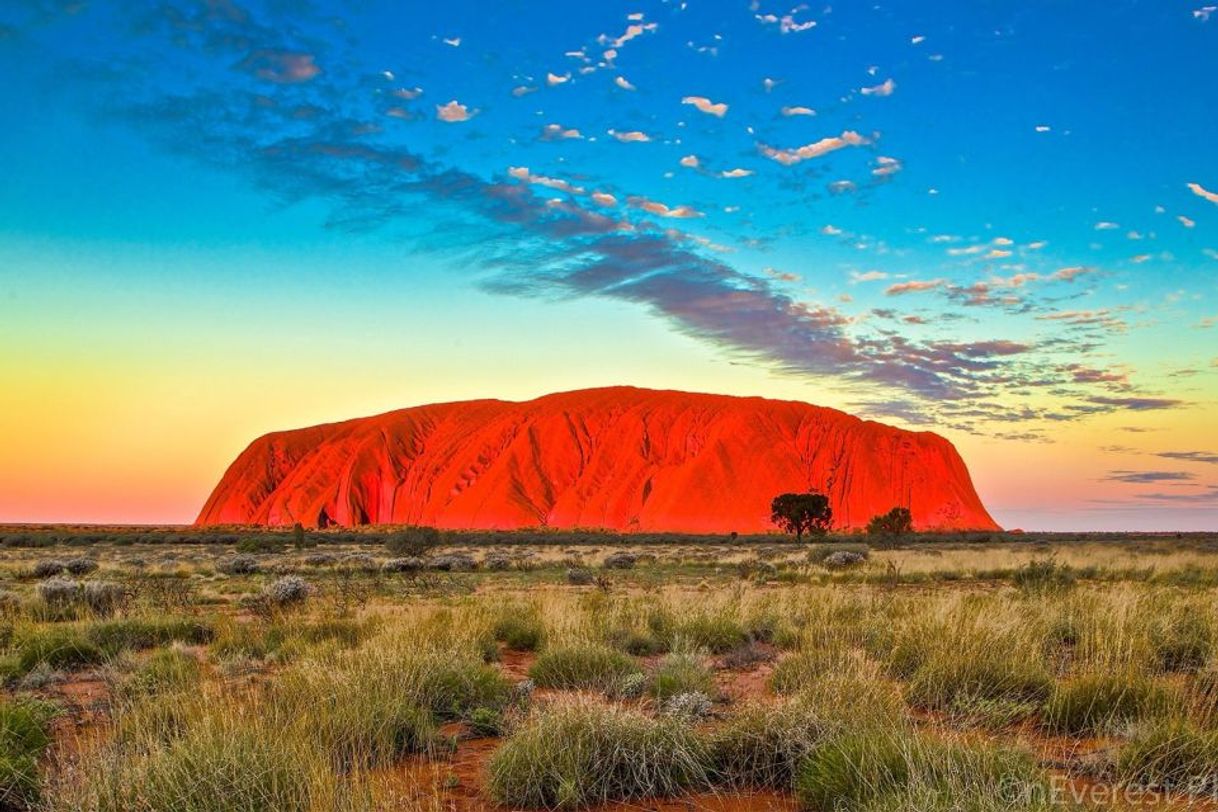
[[896, 522]]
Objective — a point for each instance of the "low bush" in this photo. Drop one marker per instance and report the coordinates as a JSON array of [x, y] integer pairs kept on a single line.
[[413, 542], [80, 566], [239, 565], [103, 598], [580, 753], [621, 560], [288, 591], [819, 552], [59, 593], [1044, 575], [582, 666], [48, 567]]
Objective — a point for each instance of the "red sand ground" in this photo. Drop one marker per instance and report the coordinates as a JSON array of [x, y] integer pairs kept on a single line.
[[619, 458]]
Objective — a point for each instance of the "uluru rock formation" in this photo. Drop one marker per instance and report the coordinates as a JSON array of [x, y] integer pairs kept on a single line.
[[617, 458]]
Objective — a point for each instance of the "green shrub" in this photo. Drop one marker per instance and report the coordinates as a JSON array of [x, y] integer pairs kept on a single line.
[[582, 666], [582, 753], [413, 541], [1043, 576], [1099, 702], [682, 674]]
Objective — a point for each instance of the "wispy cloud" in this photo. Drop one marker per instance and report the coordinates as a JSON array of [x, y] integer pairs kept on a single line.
[[1141, 477], [1201, 191], [1208, 457], [914, 286], [816, 149], [707, 106]]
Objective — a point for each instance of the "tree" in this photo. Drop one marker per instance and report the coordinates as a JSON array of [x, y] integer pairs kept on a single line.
[[895, 522], [801, 513]]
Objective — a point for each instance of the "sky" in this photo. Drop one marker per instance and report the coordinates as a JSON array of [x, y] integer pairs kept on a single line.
[[995, 221]]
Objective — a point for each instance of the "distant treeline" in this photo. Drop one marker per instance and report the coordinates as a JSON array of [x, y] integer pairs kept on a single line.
[[50, 536]]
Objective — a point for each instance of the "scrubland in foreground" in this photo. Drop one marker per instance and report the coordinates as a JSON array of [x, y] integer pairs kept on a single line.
[[728, 676]]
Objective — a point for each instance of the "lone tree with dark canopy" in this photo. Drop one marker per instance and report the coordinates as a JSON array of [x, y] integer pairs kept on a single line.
[[896, 522], [801, 513]]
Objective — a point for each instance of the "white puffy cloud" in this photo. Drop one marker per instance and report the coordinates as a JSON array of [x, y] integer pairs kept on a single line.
[[454, 111]]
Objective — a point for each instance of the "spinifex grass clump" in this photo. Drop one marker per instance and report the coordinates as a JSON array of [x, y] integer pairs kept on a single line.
[[763, 743], [1175, 755], [1102, 702], [217, 764], [966, 658], [581, 752], [582, 666], [521, 628], [890, 770], [24, 735], [682, 673]]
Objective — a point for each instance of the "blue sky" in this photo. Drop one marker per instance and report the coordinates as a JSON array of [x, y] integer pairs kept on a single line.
[[995, 221]]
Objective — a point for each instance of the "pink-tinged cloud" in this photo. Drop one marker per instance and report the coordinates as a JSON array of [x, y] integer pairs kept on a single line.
[[630, 136], [816, 149], [885, 88], [1201, 191], [1069, 274], [736, 173], [454, 112], [624, 83], [554, 79], [913, 286], [553, 132], [282, 67], [798, 110], [604, 199], [705, 105], [885, 166], [660, 209], [522, 173], [690, 161]]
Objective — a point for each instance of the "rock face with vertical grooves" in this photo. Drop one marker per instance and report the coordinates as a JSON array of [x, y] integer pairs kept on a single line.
[[617, 458]]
